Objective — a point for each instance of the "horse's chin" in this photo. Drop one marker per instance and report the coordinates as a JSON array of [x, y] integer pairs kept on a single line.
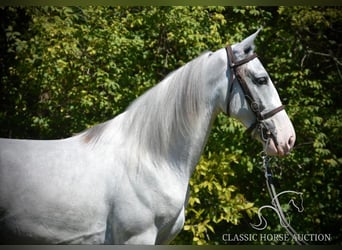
[[273, 150]]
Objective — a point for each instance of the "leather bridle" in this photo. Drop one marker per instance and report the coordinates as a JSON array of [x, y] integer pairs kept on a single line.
[[266, 133]]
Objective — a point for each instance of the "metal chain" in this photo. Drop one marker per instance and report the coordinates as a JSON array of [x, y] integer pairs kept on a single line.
[[274, 198]]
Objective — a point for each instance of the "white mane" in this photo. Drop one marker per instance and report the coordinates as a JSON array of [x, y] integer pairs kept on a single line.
[[168, 111], [165, 113]]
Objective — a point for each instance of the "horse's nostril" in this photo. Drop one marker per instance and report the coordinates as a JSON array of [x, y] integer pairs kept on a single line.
[[291, 142]]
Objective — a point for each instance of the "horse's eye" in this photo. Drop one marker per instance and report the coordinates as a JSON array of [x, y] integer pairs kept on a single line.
[[261, 80]]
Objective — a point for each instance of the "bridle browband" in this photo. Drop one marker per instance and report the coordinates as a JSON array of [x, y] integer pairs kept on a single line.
[[234, 66]]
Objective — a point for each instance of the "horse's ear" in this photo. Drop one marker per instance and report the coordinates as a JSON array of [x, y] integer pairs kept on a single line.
[[247, 45]]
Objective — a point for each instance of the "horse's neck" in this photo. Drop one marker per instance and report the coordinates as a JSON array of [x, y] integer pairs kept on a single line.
[[193, 146], [185, 149], [170, 123]]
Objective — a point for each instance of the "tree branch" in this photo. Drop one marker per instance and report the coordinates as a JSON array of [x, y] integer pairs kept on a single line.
[[326, 55]]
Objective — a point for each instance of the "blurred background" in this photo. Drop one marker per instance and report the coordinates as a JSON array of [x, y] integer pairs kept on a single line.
[[65, 69]]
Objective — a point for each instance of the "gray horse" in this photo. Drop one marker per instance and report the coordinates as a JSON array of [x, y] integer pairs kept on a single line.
[[126, 181]]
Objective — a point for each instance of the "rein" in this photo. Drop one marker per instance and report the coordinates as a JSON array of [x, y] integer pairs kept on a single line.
[[259, 124], [276, 204]]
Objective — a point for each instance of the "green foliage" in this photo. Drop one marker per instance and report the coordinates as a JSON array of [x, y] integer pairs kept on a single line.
[[213, 199], [65, 69]]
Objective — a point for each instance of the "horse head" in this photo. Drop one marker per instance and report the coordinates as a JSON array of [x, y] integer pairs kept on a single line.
[[253, 99]]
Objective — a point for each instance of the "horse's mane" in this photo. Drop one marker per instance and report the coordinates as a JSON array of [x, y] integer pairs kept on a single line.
[[170, 108]]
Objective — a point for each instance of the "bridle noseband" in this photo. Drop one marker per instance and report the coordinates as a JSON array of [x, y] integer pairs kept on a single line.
[[265, 133]]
